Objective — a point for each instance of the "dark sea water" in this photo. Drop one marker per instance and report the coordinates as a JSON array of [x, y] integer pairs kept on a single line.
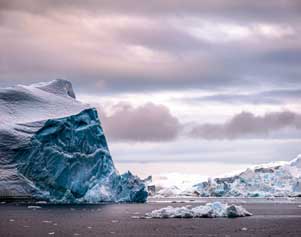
[[278, 217]]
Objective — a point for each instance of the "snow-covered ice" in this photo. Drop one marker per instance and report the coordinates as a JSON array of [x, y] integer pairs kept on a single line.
[[269, 180], [277, 179], [175, 184], [53, 147], [210, 210]]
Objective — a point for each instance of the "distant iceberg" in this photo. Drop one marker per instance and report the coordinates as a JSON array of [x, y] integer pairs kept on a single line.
[[52, 147], [277, 179], [271, 180]]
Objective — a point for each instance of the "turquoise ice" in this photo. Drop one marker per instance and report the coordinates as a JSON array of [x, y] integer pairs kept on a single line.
[[64, 159]]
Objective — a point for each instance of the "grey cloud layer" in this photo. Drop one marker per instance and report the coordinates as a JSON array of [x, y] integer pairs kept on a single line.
[[124, 47], [155, 123], [266, 97], [246, 125], [149, 122], [268, 9]]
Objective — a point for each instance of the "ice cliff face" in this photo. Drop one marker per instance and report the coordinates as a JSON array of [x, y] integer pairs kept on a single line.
[[53, 147], [274, 180]]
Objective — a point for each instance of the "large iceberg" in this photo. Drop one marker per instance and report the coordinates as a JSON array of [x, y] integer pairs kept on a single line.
[[53, 147]]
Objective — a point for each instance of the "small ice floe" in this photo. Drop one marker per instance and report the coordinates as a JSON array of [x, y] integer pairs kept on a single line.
[[244, 228], [47, 222], [210, 210], [135, 217], [270, 198], [291, 198], [51, 233], [41, 202], [34, 207], [11, 220], [2, 202], [115, 221]]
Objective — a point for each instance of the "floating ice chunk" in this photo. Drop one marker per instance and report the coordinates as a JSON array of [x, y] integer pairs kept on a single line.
[[47, 221], [210, 210], [41, 202], [34, 207]]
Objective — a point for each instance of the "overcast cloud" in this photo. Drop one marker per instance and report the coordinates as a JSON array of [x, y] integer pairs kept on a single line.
[[105, 47], [274, 97], [269, 9], [155, 123], [246, 125], [149, 122]]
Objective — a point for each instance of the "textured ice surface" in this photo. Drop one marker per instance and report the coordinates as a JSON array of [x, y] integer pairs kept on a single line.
[[272, 180], [53, 147], [277, 179], [210, 210]]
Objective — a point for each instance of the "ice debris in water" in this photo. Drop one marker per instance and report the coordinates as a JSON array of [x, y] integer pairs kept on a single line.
[[210, 210], [34, 207], [52, 147]]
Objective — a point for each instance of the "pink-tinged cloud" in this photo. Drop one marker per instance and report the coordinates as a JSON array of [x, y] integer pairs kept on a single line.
[[113, 47], [155, 123], [149, 122], [246, 125]]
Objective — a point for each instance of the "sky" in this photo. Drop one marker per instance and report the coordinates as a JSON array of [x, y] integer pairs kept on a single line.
[[175, 82]]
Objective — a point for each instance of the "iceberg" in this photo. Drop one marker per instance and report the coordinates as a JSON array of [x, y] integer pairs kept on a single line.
[[276, 179], [210, 210], [271, 180], [53, 147]]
